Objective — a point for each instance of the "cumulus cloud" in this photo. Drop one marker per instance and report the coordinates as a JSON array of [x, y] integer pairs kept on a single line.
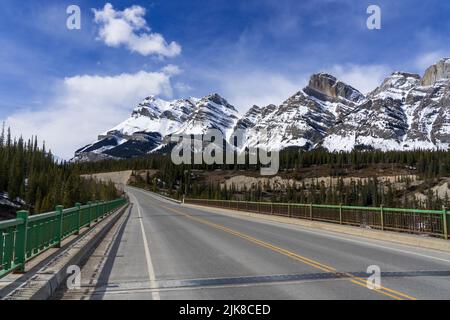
[[365, 78], [86, 106], [128, 28]]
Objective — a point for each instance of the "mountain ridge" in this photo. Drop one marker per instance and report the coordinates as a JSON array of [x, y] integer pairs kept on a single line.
[[405, 112]]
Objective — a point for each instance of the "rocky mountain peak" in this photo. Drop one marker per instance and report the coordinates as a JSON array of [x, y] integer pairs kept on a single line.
[[150, 107], [396, 86], [436, 72], [250, 117], [323, 84], [217, 99]]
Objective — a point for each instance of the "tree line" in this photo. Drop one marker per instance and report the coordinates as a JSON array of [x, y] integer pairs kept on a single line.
[[180, 180], [32, 176], [427, 164]]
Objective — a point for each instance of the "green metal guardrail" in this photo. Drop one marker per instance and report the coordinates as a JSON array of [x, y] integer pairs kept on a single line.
[[429, 222], [25, 237]]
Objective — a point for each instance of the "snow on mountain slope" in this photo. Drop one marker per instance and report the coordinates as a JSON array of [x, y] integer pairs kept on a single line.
[[156, 115], [249, 119], [211, 112]]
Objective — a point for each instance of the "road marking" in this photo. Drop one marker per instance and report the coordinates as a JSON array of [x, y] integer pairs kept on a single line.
[[325, 233], [353, 279], [148, 258]]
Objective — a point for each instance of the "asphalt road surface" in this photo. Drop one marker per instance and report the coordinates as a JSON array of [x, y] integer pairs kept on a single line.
[[163, 250]]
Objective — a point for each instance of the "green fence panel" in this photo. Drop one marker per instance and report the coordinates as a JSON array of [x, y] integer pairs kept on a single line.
[[25, 237]]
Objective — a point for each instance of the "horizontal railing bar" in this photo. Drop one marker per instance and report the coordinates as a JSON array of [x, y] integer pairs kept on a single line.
[[42, 216], [10, 223], [360, 208], [413, 210], [326, 206]]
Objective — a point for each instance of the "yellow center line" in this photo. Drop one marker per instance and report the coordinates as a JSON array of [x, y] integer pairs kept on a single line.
[[315, 264]]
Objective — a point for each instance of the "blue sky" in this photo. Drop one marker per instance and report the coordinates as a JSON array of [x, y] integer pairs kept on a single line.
[[252, 51]]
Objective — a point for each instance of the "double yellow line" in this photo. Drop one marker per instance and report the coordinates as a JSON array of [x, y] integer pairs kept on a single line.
[[315, 264]]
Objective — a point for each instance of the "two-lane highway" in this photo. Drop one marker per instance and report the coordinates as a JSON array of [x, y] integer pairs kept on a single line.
[[163, 250]]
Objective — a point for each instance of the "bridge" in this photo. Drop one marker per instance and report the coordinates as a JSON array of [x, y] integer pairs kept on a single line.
[[155, 248]]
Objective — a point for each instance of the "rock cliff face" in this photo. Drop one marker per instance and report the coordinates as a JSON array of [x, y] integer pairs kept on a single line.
[[405, 112], [328, 87], [438, 71]]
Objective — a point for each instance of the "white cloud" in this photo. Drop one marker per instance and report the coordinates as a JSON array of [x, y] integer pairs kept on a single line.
[[245, 89], [365, 78], [129, 28], [86, 106], [172, 70], [182, 88], [425, 60]]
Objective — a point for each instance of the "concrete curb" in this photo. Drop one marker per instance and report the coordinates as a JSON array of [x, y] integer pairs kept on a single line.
[[395, 237], [43, 284]]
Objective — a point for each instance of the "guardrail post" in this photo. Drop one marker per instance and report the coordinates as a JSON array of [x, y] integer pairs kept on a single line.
[[340, 213], [382, 217], [97, 208], [271, 208], [78, 206], [89, 213], [444, 222], [310, 211], [59, 227], [289, 209], [21, 240]]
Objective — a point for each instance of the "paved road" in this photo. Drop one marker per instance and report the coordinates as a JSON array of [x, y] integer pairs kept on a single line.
[[162, 250]]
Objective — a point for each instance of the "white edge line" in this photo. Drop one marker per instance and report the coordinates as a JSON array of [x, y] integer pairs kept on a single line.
[[148, 258]]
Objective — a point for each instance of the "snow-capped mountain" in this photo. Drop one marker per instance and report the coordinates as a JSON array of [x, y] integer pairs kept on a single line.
[[156, 115], [211, 112], [303, 119], [155, 119], [405, 112]]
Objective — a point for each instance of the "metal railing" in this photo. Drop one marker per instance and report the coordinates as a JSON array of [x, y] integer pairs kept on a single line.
[[428, 222], [27, 236]]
